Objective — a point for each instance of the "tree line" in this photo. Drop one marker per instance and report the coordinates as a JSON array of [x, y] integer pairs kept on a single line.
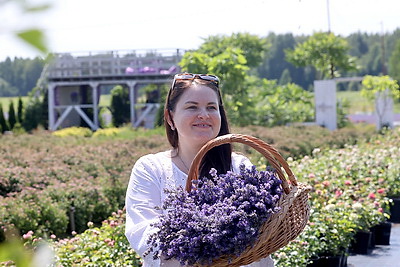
[[19, 76], [376, 54], [247, 64]]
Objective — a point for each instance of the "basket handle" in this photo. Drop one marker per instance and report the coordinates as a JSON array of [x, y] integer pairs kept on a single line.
[[270, 153]]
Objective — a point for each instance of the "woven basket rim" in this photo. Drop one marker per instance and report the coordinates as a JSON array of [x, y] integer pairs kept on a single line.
[[268, 151]]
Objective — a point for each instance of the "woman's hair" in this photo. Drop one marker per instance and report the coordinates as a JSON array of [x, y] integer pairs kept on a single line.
[[220, 157]]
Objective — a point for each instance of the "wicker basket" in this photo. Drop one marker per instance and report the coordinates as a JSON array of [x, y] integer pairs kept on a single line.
[[281, 227]]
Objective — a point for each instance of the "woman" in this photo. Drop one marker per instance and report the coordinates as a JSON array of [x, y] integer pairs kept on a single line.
[[193, 115]]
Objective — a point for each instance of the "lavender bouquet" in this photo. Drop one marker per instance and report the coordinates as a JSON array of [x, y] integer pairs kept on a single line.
[[220, 216]]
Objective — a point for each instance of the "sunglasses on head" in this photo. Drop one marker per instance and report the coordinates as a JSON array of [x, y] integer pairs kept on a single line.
[[190, 76]]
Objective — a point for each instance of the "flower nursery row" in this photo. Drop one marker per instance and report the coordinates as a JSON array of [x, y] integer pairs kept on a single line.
[[352, 188], [352, 192], [54, 183]]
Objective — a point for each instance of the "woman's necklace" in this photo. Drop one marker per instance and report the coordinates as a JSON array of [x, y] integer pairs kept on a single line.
[[183, 163]]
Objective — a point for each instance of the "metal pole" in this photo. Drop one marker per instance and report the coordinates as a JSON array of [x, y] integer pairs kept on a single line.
[[384, 71], [72, 218], [329, 16]]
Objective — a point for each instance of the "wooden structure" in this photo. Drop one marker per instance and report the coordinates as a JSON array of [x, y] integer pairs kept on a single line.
[[74, 83]]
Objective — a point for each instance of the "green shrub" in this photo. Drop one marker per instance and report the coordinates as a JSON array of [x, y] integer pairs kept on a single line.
[[282, 104], [36, 111], [104, 246], [18, 129], [120, 105], [86, 202], [297, 141], [33, 210]]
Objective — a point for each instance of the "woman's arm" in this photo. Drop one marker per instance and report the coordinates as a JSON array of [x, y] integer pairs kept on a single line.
[[142, 197]]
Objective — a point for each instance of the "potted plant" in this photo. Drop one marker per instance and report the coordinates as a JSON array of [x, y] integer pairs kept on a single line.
[[333, 226], [382, 233], [394, 196], [369, 213]]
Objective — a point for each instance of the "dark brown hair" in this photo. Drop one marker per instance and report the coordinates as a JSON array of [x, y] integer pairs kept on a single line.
[[219, 157]]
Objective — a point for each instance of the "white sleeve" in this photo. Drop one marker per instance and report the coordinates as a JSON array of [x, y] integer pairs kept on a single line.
[[239, 159], [142, 196]]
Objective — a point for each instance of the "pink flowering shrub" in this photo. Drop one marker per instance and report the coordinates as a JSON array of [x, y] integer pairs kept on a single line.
[[47, 180], [350, 193], [32, 210], [98, 246]]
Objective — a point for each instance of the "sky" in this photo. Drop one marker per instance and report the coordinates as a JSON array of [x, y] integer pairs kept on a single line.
[[83, 26]]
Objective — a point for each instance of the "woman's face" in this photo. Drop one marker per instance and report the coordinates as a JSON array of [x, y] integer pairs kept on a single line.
[[196, 116]]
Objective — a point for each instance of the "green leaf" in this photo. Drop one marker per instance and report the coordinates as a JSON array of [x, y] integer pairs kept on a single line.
[[35, 38], [38, 8], [14, 250]]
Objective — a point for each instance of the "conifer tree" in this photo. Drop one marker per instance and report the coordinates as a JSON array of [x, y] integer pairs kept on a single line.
[[32, 115], [3, 123], [11, 116], [120, 105], [20, 110]]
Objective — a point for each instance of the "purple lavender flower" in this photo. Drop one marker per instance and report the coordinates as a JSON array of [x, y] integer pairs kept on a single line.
[[220, 216]]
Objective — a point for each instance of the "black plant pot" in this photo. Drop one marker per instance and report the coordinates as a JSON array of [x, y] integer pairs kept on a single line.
[[371, 244], [382, 233], [361, 243], [395, 211], [326, 261], [343, 262]]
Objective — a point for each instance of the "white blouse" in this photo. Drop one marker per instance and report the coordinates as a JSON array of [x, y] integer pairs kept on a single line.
[[150, 175]]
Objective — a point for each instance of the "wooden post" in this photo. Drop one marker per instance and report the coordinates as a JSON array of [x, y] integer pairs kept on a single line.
[[94, 86], [51, 104], [132, 99]]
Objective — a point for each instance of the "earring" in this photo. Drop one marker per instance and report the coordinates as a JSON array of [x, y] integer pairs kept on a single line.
[[172, 128]]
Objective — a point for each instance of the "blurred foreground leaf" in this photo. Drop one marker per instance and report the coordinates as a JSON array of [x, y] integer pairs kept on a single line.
[[38, 8], [35, 38], [13, 250]]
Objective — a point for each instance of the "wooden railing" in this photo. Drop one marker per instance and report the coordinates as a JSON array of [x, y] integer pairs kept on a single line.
[[114, 63]]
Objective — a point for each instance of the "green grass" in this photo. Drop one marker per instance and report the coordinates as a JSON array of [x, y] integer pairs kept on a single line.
[[359, 104]]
